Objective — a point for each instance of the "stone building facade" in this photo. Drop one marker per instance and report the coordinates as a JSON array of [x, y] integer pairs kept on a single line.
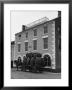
[[43, 37]]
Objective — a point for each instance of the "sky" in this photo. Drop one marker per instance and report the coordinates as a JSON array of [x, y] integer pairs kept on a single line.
[[24, 17]]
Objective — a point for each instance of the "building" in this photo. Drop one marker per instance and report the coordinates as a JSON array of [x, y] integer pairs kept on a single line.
[[12, 53], [43, 36]]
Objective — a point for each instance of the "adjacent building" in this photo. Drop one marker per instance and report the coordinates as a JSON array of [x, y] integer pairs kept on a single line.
[[12, 53]]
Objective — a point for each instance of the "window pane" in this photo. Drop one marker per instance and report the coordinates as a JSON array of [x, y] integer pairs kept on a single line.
[[35, 32], [26, 46], [45, 29], [19, 36], [45, 40], [35, 44], [26, 34], [19, 46]]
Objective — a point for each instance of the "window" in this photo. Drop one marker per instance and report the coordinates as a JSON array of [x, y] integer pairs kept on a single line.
[[19, 47], [26, 46], [35, 32], [45, 29], [19, 36], [26, 34], [45, 43], [34, 44]]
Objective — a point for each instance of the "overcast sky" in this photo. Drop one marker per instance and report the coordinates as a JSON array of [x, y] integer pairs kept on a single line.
[[19, 18]]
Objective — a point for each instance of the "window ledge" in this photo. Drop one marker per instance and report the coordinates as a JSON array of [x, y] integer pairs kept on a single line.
[[45, 49], [35, 50], [44, 36], [26, 41], [35, 36], [26, 51], [45, 33]]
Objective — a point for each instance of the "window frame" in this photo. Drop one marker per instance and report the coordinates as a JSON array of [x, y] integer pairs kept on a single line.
[[35, 39], [45, 29], [19, 50], [19, 36], [35, 34], [43, 42], [26, 35], [26, 46]]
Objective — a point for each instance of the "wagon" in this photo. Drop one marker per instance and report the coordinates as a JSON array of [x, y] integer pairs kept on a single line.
[[33, 62]]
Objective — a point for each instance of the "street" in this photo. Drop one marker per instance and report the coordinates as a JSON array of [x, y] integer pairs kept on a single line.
[[29, 75]]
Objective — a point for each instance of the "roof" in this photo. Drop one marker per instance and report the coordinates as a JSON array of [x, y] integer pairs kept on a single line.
[[36, 23], [39, 21]]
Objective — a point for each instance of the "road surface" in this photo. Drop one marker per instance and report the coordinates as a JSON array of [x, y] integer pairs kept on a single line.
[[29, 75]]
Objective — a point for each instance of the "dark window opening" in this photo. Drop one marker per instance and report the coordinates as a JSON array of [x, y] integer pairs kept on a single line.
[[19, 36], [26, 34], [35, 32], [35, 45], [47, 60], [19, 47], [45, 43], [45, 29], [26, 46]]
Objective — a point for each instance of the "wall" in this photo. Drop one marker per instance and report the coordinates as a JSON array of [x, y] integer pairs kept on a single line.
[[39, 37]]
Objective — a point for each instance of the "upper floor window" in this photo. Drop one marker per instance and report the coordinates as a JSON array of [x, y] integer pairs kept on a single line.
[[26, 34], [45, 43], [19, 36], [35, 32], [19, 47], [34, 44], [26, 46], [45, 29]]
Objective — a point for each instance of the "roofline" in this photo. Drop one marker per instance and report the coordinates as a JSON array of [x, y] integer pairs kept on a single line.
[[41, 23], [18, 33], [38, 25]]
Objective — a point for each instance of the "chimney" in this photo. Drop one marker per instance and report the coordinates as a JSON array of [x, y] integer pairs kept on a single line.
[[59, 13], [23, 27]]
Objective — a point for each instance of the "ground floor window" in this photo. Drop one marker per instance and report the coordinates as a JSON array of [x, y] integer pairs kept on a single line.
[[47, 59]]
